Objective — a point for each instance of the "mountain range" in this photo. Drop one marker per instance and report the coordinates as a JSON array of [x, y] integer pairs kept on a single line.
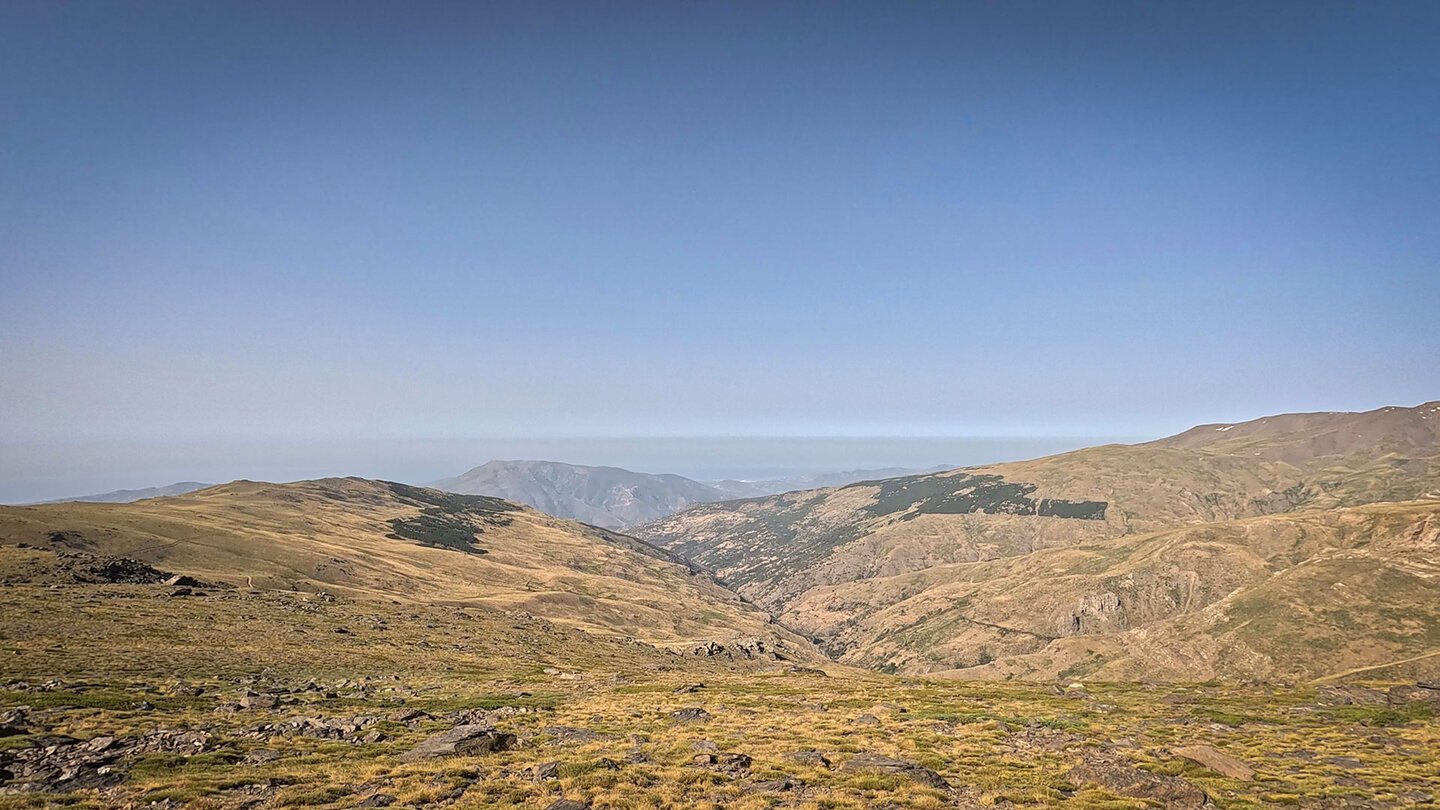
[[380, 540], [132, 495], [1288, 547], [615, 498]]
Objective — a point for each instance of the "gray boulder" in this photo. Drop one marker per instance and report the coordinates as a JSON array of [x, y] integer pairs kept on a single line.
[[869, 761], [1129, 781], [460, 741]]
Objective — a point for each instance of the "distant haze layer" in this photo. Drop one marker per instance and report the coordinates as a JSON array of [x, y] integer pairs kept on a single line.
[[34, 471]]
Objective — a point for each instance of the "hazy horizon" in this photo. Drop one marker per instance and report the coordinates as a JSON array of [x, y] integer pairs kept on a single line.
[[47, 471], [265, 229]]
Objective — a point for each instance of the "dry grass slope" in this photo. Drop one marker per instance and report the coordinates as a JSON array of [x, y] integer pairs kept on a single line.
[[594, 722], [373, 539], [970, 570]]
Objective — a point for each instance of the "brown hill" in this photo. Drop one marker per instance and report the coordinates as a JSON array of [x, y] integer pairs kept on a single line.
[[374, 539], [874, 570]]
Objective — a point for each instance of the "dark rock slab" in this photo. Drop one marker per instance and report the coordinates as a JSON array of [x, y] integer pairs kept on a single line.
[[1348, 695], [460, 741], [1223, 764], [814, 759], [571, 734], [1127, 780], [870, 761], [546, 770]]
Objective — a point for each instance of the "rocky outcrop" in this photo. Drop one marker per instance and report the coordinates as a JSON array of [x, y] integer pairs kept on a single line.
[[467, 740], [870, 761], [1223, 764], [693, 714], [1127, 780]]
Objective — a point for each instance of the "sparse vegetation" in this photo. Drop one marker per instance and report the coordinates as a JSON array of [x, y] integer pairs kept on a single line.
[[608, 737]]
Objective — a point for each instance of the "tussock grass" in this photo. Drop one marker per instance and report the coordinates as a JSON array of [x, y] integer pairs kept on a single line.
[[997, 744]]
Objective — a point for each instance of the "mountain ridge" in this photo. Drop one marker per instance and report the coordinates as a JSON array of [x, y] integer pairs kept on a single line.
[[131, 495], [615, 497], [852, 566], [389, 541]]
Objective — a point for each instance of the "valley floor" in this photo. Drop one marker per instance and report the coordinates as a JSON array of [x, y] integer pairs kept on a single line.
[[142, 695]]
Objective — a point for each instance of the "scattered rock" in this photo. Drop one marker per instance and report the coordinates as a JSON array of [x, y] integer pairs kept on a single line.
[[260, 756], [870, 761], [1223, 764], [772, 786], [693, 714], [570, 734], [734, 764], [1348, 695], [689, 687], [377, 800], [867, 719], [546, 770], [258, 701], [748, 648], [809, 671], [460, 741], [567, 804], [1405, 695], [117, 570], [705, 746], [814, 759], [1127, 780]]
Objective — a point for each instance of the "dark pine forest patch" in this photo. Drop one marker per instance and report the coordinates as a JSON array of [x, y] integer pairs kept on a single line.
[[448, 520], [917, 495]]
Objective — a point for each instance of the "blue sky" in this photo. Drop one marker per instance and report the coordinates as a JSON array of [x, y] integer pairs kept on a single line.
[[269, 223]]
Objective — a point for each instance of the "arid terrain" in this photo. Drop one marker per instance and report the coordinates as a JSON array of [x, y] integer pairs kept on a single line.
[[156, 695], [1239, 616], [616, 498], [1287, 548]]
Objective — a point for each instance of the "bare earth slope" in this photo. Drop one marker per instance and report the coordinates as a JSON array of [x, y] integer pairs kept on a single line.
[[882, 572], [380, 540]]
